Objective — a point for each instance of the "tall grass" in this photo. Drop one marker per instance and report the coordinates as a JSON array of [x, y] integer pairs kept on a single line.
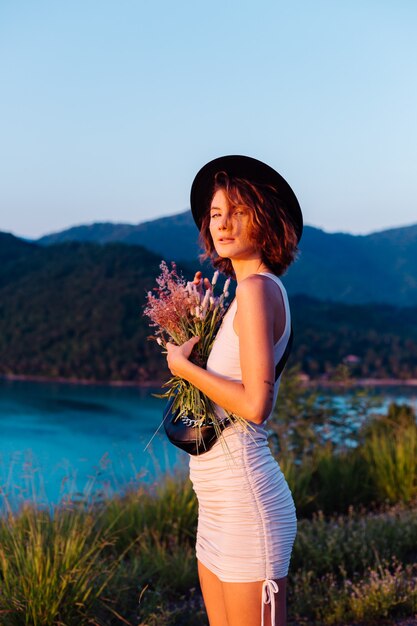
[[103, 561], [131, 561], [390, 450], [53, 570]]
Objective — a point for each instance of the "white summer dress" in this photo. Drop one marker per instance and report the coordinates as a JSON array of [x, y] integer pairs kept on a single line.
[[247, 520]]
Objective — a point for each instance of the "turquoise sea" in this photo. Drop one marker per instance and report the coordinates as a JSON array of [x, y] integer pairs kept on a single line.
[[59, 439], [62, 440]]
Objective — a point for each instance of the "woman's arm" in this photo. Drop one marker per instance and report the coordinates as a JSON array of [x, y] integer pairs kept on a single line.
[[253, 397]]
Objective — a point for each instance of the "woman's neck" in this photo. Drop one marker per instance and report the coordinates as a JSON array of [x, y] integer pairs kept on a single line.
[[246, 268]]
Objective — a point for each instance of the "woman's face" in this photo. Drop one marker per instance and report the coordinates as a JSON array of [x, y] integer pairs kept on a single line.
[[230, 229]]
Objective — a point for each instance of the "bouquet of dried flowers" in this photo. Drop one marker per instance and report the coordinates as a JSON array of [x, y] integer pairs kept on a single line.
[[180, 310]]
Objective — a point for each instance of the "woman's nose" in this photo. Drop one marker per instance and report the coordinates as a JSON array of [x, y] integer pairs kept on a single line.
[[223, 222]]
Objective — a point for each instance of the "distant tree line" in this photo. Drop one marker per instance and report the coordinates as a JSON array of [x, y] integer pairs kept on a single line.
[[372, 340]]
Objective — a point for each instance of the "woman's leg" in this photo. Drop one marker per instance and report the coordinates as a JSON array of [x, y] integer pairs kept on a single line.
[[239, 604], [212, 590], [243, 603]]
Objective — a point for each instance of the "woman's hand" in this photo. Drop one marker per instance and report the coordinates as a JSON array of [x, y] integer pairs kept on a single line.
[[177, 356]]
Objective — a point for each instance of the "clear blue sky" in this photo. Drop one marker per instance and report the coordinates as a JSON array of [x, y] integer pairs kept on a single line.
[[109, 108]]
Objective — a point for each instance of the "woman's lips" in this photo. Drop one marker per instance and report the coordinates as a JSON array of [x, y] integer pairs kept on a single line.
[[226, 240]]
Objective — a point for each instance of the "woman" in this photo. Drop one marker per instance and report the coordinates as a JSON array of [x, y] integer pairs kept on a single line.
[[250, 223]]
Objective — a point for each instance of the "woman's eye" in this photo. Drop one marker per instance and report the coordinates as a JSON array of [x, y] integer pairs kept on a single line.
[[215, 215]]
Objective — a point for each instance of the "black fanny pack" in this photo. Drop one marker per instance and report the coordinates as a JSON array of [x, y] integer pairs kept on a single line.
[[183, 431]]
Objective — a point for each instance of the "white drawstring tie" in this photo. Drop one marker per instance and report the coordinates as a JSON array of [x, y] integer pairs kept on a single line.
[[269, 589]]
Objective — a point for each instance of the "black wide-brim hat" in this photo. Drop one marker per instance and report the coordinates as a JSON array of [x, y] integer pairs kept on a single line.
[[238, 166]]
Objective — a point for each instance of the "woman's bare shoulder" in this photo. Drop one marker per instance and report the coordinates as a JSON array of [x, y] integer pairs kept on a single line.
[[256, 285], [260, 299]]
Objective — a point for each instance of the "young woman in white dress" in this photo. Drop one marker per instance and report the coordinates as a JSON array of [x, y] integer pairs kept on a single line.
[[250, 224]]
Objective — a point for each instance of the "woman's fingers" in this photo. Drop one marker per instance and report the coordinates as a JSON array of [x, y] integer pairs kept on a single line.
[[197, 281], [188, 346], [197, 278], [178, 355], [184, 348]]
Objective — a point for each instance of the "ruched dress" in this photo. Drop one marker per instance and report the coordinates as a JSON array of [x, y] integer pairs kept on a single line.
[[247, 519]]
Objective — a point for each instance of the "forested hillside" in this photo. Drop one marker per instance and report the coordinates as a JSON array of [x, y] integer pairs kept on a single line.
[[74, 310], [373, 340], [377, 268]]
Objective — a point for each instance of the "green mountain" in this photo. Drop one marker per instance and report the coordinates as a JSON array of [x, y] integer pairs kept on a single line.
[[380, 267], [74, 310], [172, 238]]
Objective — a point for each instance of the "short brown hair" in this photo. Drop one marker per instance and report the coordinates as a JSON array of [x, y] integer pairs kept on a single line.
[[272, 226]]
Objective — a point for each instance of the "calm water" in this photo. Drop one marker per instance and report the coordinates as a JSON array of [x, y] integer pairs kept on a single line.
[[60, 439]]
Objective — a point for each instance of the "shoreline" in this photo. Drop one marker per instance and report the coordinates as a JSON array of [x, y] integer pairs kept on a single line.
[[358, 382], [81, 381]]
